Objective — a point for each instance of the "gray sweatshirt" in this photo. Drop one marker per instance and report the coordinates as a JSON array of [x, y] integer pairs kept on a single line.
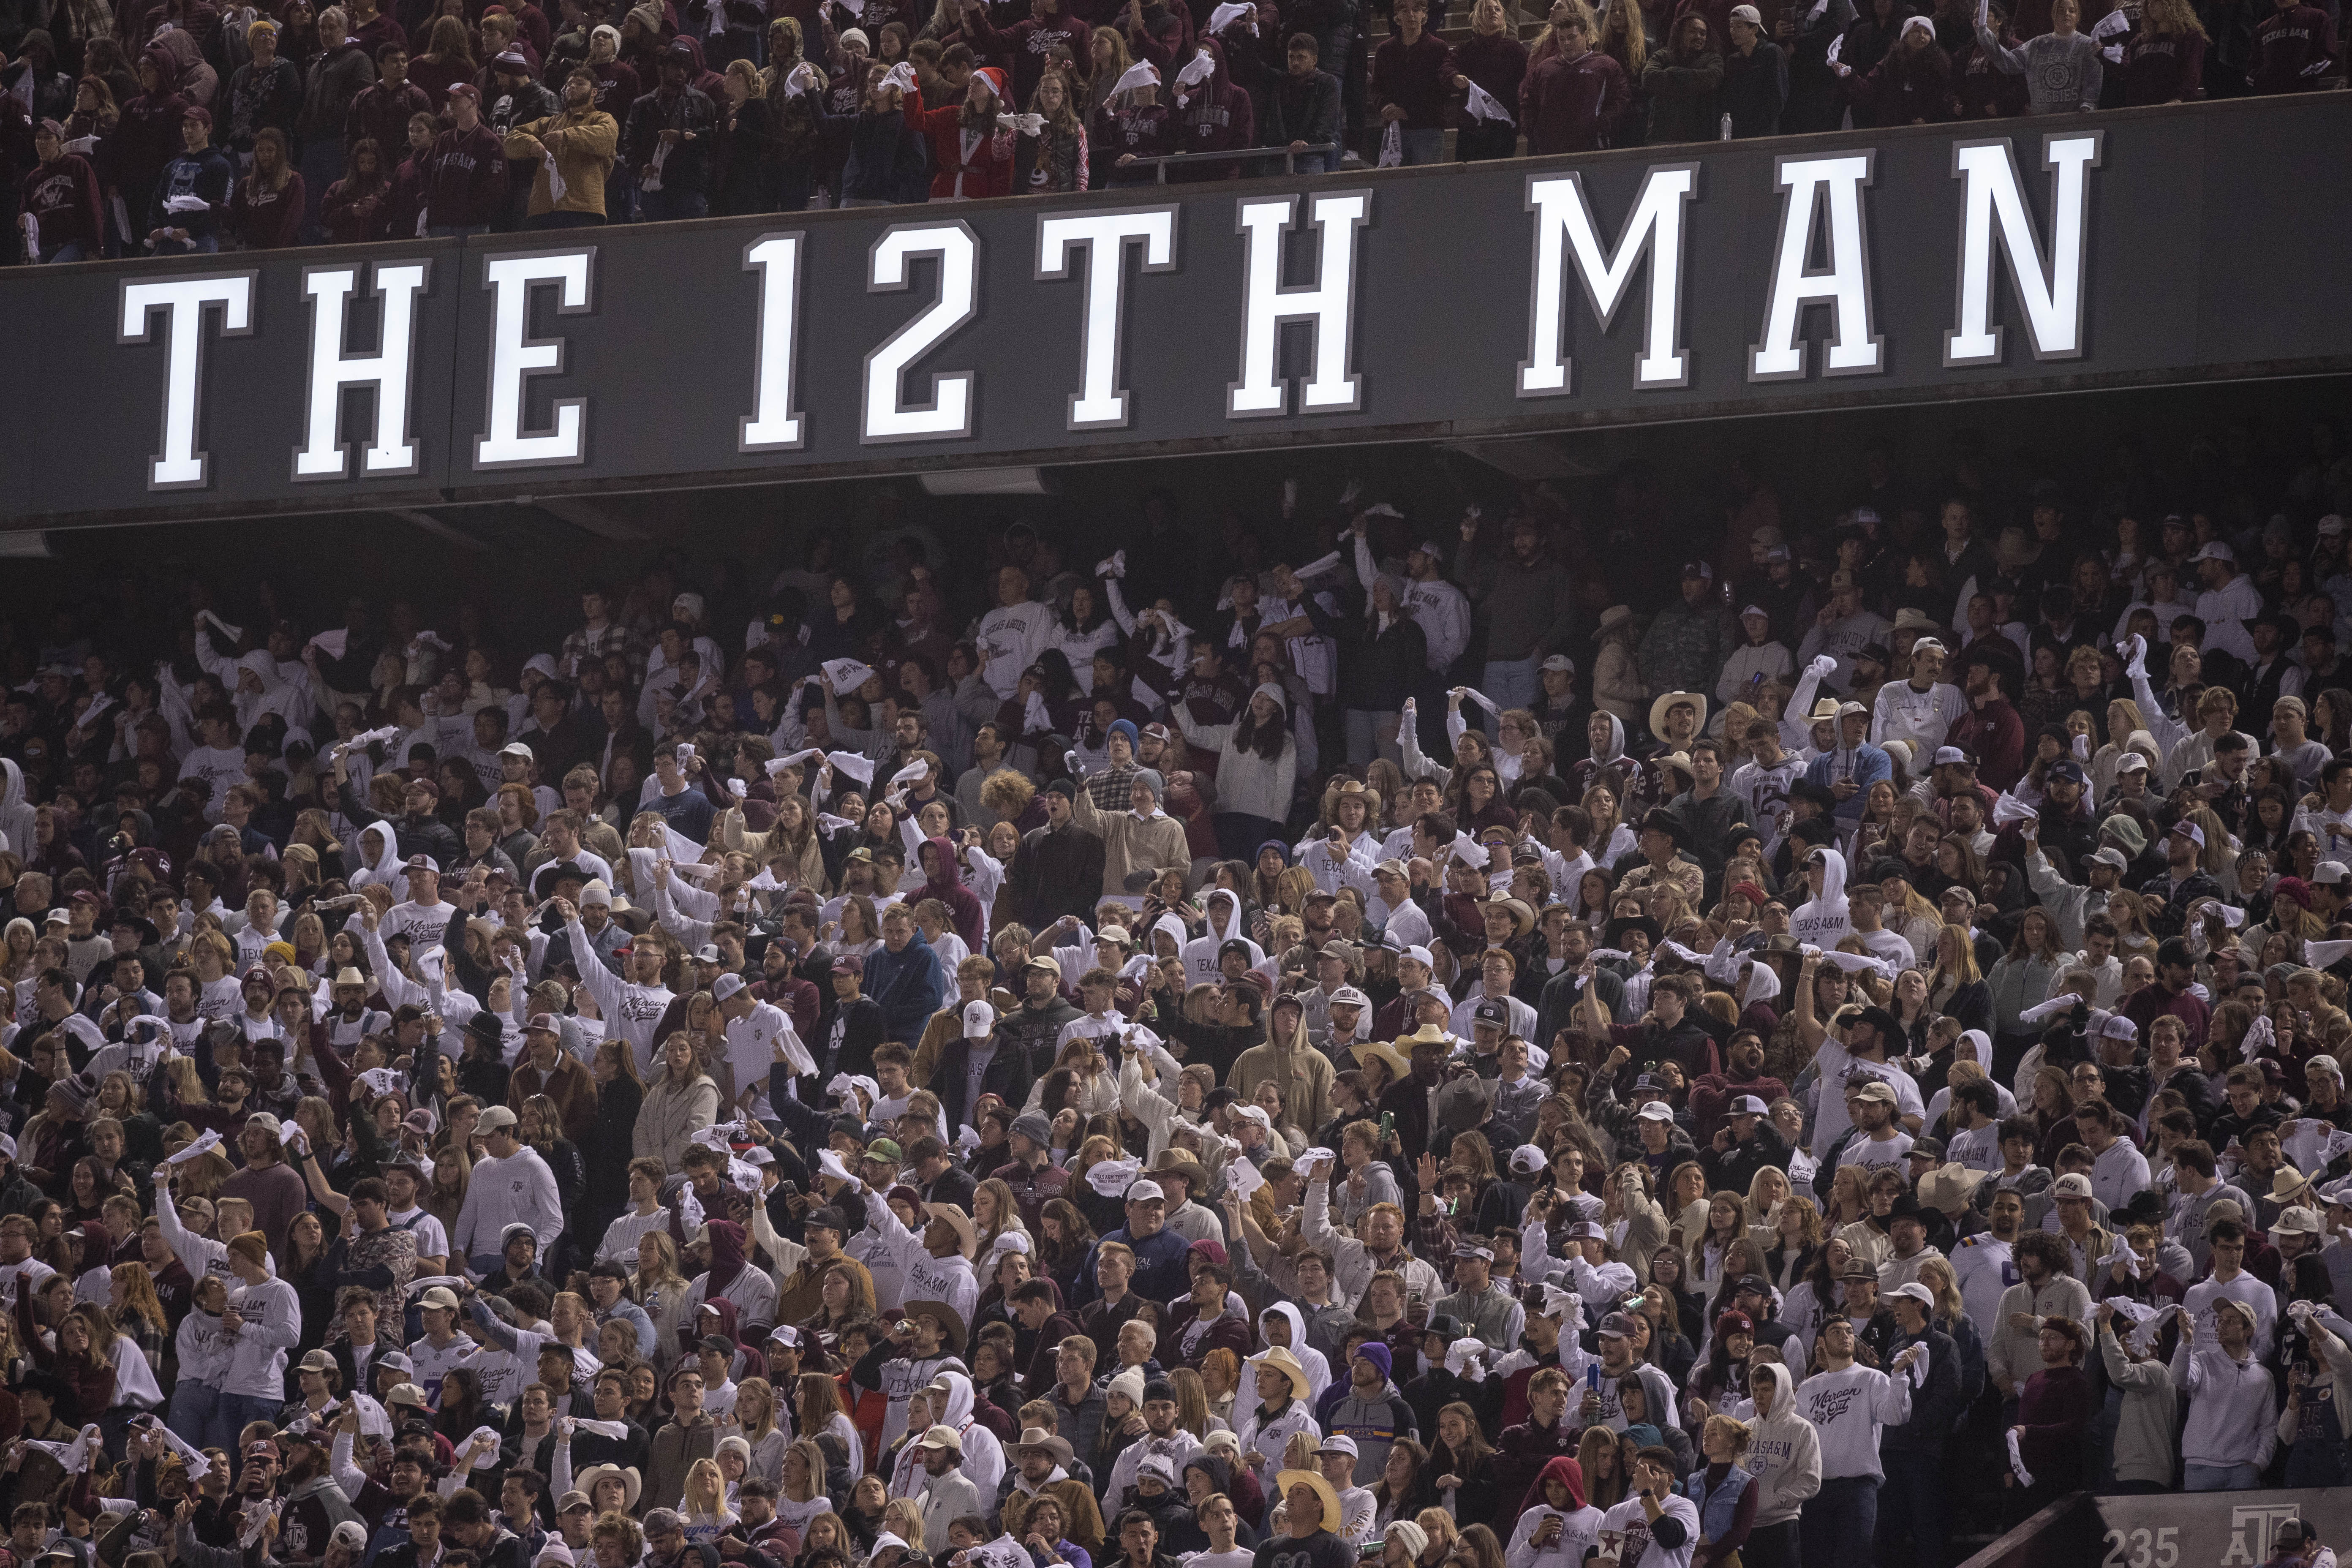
[[2143, 1441], [2061, 73]]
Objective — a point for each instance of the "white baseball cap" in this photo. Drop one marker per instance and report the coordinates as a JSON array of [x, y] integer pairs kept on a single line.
[[979, 1020]]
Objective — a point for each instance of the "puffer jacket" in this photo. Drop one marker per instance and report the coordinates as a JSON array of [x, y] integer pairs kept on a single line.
[[670, 1116]]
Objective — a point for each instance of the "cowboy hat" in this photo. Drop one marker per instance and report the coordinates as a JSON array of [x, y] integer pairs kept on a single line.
[[1399, 1067], [1283, 1362], [967, 1234], [1523, 919], [1949, 1187], [1039, 1439], [1286, 1479], [951, 1322], [1913, 620], [1175, 1162], [1678, 760], [631, 1483], [1672, 700], [1427, 1035], [1825, 711], [1614, 615], [2286, 1182]]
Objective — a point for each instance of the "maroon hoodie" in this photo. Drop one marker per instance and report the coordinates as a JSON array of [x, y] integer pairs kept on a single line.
[[147, 137], [946, 884], [1570, 106], [63, 199]]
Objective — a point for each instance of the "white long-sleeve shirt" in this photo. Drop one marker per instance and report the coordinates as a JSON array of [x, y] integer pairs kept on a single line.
[[517, 1190], [630, 1010], [2231, 1417], [1848, 1409], [929, 1278], [272, 1325]]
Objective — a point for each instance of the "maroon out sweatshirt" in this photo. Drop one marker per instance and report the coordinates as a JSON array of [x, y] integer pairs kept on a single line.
[[63, 199], [464, 178]]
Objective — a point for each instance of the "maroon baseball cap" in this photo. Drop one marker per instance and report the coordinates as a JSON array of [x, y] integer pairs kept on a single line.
[[198, 111], [466, 90]]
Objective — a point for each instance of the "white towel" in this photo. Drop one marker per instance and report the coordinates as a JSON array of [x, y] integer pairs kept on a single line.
[[1483, 106]]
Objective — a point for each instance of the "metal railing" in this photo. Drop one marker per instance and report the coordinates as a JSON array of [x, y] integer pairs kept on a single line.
[[1240, 154]]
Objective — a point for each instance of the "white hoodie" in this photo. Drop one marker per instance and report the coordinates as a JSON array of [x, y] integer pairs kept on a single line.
[[1318, 1368], [1784, 1453], [984, 1455], [1824, 923], [1201, 953]]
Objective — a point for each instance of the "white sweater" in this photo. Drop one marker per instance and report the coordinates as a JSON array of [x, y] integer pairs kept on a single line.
[[272, 1318], [517, 1190], [1847, 1409], [2231, 1417]]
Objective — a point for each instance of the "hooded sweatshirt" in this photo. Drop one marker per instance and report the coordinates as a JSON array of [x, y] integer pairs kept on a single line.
[[1824, 923], [947, 886], [1199, 953], [2144, 1448], [1317, 1366], [1784, 1454], [984, 1455], [1374, 1420], [1304, 1073], [1579, 1522]]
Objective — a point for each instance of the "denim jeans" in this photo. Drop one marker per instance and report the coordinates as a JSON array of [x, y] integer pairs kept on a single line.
[[1372, 732], [2221, 1478], [1511, 682], [1424, 147], [192, 1409], [233, 1412], [69, 251], [201, 245], [1840, 1523]]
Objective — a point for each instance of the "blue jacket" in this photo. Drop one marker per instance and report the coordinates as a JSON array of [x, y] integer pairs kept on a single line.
[[1718, 1509], [908, 985], [1870, 766], [1162, 1270]]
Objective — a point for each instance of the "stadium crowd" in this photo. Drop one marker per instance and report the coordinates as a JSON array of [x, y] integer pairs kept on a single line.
[[174, 126], [1406, 1048]]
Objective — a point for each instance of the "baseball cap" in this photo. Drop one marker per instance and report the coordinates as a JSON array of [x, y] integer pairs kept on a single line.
[[849, 963], [2068, 769], [1146, 1191], [2214, 550], [494, 1117], [726, 985], [1748, 1105], [2074, 1185], [2328, 873], [1915, 1291], [1616, 1326], [1473, 1249], [979, 1020], [1876, 1089], [2191, 831], [465, 90]]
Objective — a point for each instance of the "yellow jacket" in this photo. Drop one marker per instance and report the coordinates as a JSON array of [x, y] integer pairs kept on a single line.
[[583, 146]]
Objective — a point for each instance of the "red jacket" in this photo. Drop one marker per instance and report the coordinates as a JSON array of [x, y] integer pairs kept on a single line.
[[969, 167], [1570, 106]]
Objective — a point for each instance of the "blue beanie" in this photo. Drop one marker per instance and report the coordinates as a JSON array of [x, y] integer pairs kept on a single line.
[[1377, 1353], [1127, 727]]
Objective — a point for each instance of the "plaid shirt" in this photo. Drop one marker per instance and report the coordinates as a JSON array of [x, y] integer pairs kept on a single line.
[[612, 637]]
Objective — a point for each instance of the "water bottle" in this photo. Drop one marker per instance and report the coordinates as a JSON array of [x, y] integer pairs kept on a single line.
[[1724, 129]]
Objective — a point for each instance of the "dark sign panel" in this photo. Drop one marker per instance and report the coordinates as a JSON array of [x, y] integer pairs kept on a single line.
[[1925, 263]]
